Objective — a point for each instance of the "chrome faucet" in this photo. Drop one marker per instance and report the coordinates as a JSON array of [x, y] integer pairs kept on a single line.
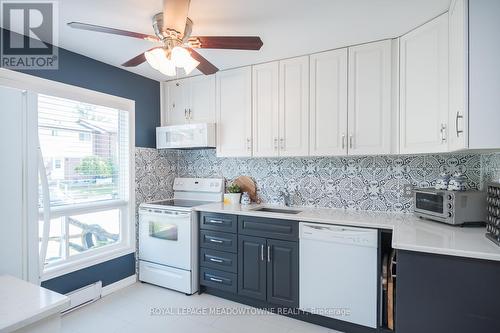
[[287, 198]]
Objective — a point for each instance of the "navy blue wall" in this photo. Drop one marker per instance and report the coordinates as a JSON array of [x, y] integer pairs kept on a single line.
[[108, 272], [81, 71]]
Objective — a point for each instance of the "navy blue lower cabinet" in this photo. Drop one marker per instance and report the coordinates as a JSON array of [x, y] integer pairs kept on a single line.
[[266, 254], [252, 267], [283, 273], [438, 294]]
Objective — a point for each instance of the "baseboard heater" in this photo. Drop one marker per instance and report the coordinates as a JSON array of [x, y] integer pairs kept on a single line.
[[84, 296]]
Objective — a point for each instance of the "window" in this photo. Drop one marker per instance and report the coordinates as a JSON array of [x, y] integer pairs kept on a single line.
[[57, 164], [84, 136], [89, 180]]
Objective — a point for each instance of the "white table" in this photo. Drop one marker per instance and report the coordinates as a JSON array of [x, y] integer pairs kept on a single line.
[[28, 308]]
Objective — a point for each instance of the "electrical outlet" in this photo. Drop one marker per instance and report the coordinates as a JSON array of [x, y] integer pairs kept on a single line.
[[408, 191]]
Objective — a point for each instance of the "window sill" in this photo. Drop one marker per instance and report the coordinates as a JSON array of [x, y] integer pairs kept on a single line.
[[89, 260]]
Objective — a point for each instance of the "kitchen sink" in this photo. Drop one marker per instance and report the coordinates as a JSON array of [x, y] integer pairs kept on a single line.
[[277, 210]]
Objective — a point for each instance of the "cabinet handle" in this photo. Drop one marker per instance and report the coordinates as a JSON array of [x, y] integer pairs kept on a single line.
[[459, 116], [350, 141], [268, 253], [275, 143], [443, 133], [249, 144], [185, 114], [261, 252], [213, 240], [216, 280], [215, 221], [190, 113], [343, 140], [282, 142], [216, 260]]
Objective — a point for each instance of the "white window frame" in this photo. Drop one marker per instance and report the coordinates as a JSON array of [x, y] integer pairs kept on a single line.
[[126, 245]]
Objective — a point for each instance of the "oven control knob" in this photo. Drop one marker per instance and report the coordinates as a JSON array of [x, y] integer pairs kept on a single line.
[[450, 197], [450, 205], [450, 214]]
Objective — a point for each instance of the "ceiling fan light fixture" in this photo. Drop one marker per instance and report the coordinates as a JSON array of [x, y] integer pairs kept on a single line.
[[190, 65], [155, 57], [181, 57], [167, 67]]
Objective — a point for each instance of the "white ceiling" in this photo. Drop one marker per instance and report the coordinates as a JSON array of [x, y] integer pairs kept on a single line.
[[287, 27]]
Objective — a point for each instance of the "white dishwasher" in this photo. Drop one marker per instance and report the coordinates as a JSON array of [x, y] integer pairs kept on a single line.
[[338, 272]]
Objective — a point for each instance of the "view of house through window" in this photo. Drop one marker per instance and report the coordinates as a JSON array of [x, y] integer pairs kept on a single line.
[[85, 150]]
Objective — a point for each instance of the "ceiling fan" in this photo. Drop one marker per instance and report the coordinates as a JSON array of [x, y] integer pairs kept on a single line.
[[172, 30]]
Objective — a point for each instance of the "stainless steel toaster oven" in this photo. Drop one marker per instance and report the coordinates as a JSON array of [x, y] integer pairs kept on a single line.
[[450, 207]]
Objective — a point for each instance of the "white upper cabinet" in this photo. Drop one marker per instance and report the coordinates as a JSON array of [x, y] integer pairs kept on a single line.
[[328, 103], [265, 109], [294, 107], [424, 88], [201, 107], [484, 74], [370, 114], [234, 112], [190, 100], [177, 95], [458, 113]]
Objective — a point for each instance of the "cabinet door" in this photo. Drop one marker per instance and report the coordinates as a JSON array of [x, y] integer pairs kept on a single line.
[[202, 99], [177, 101], [294, 107], [459, 113], [424, 88], [234, 112], [252, 267], [440, 293], [328, 103], [484, 83], [370, 113], [265, 109], [283, 273]]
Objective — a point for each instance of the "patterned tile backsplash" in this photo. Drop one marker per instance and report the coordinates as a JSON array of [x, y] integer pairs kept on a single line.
[[155, 171], [376, 183]]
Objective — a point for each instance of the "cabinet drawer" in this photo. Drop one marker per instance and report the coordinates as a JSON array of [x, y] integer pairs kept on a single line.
[[269, 228], [218, 222], [221, 241], [223, 261], [218, 279]]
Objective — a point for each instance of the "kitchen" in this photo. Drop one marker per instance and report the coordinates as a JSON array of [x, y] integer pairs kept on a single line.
[[349, 183]]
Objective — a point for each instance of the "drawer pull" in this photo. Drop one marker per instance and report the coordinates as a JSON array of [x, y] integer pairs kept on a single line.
[[218, 241], [215, 221], [216, 280], [216, 260]]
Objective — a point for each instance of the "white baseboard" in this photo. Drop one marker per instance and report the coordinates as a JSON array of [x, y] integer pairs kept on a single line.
[[111, 288]]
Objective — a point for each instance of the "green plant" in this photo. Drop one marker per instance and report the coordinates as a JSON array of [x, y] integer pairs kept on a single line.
[[94, 166], [234, 188]]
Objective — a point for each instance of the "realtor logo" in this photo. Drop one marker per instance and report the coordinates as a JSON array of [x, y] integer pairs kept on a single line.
[[28, 35]]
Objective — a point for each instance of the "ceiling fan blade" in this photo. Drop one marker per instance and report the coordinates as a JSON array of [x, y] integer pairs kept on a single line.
[[205, 66], [137, 60], [175, 13], [98, 28], [226, 42]]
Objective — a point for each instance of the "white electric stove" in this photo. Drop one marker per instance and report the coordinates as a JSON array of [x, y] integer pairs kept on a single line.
[[168, 234]]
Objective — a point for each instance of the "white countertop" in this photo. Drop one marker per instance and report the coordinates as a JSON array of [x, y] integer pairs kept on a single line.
[[409, 232], [23, 303]]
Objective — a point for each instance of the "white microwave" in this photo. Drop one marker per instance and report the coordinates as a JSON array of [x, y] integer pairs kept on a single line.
[[186, 136]]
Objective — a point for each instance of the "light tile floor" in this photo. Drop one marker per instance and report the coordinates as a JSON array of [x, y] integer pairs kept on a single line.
[[129, 311]]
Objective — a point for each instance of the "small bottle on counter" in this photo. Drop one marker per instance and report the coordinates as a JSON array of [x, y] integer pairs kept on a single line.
[[245, 199]]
